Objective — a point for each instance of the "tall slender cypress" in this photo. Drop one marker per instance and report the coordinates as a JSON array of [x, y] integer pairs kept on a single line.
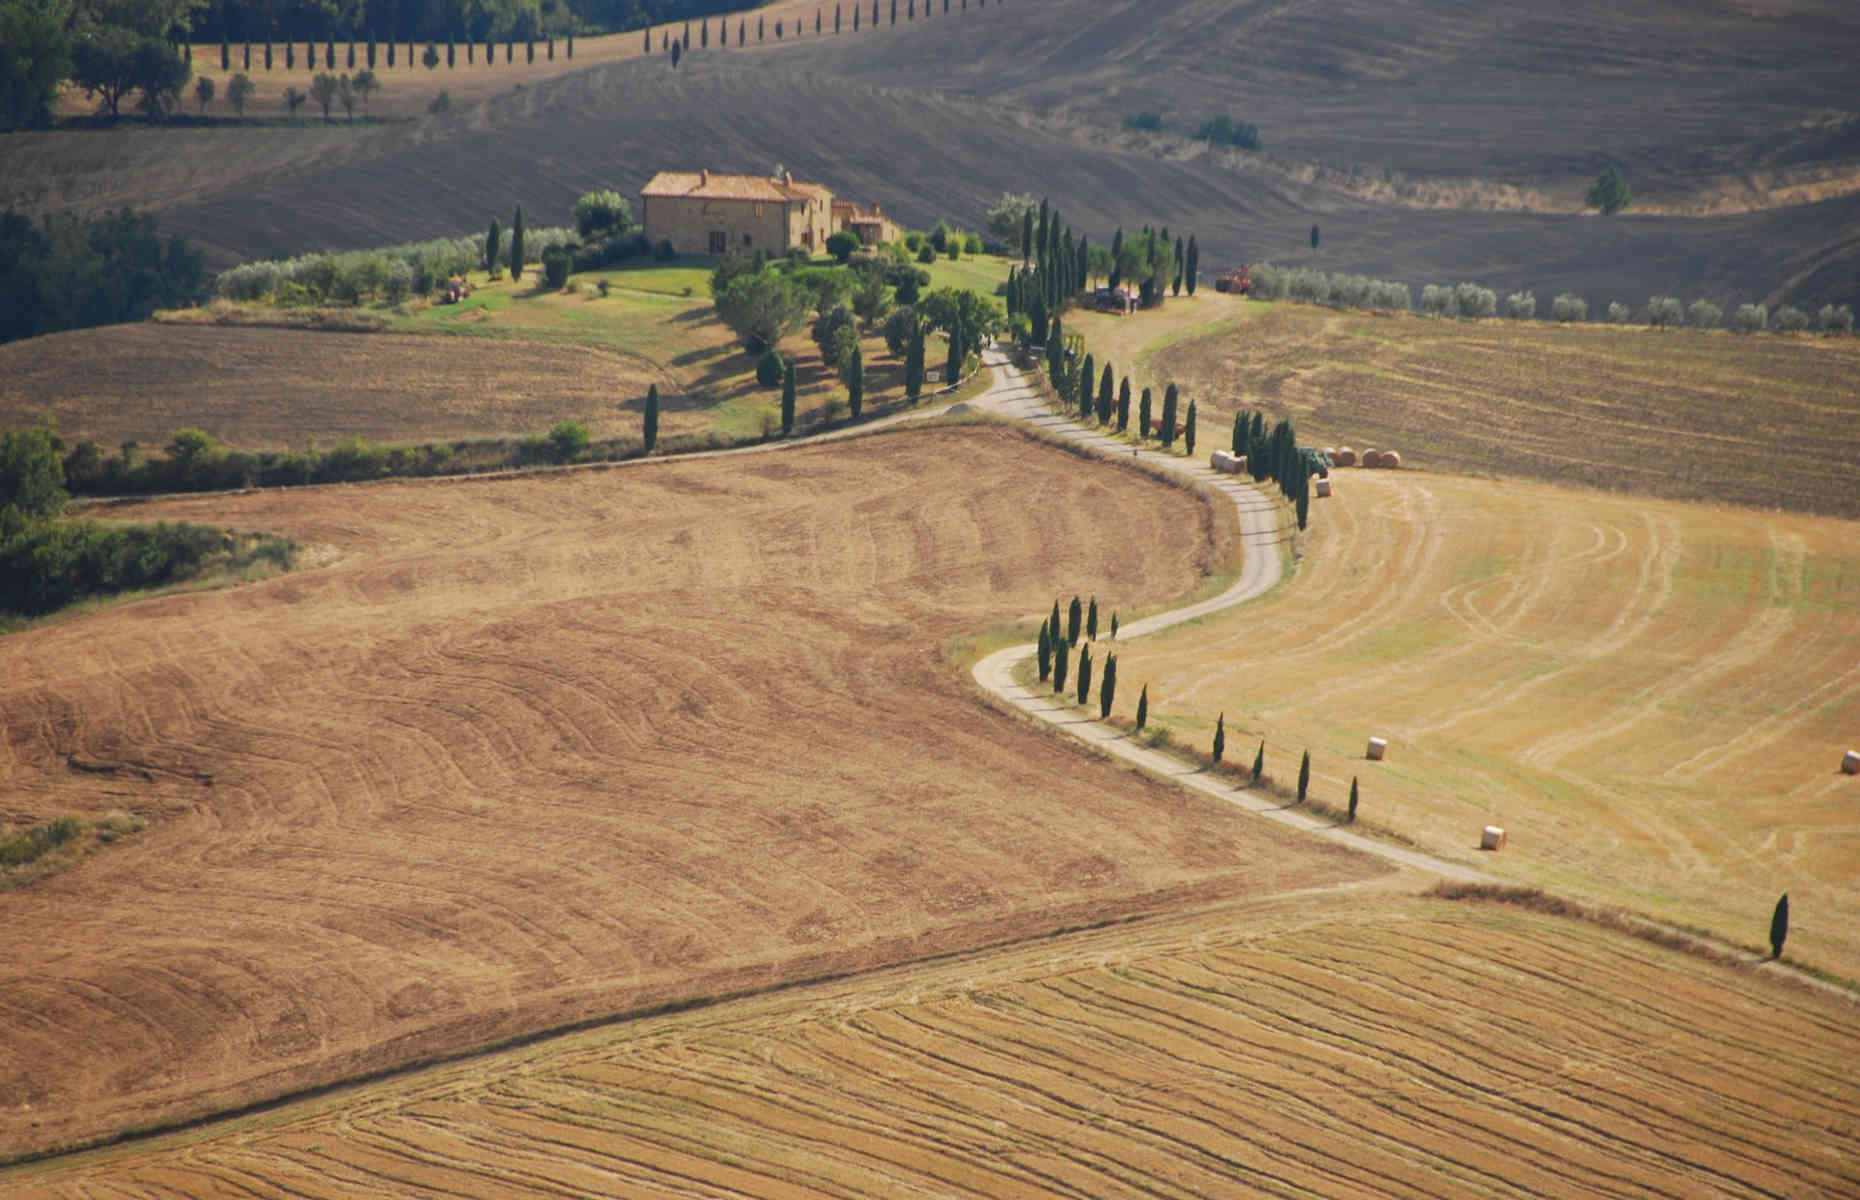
[[1026, 236], [1188, 432], [516, 245], [1074, 616], [1123, 405], [1143, 707], [1239, 446], [1084, 674], [855, 383], [1168, 416], [1259, 762], [1040, 232], [1352, 797], [1108, 688], [1220, 736], [787, 399], [914, 365], [1085, 378], [1105, 394], [1061, 653], [952, 369], [1304, 776], [493, 238], [1779, 919], [1181, 264], [1193, 265], [1143, 416], [1046, 654], [1091, 620]]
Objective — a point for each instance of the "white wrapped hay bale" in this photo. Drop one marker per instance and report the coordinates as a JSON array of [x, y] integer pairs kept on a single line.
[[1492, 839], [1850, 762], [1372, 458], [1227, 463], [1323, 488], [1344, 457], [1378, 748], [1390, 460]]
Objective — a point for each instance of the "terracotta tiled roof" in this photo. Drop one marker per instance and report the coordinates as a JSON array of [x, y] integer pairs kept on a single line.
[[710, 185]]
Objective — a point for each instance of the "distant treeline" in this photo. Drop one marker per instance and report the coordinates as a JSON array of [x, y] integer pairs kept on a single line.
[[477, 20], [68, 273]]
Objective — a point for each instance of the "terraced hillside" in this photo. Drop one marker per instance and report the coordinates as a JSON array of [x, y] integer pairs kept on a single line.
[[1399, 1048], [533, 751]]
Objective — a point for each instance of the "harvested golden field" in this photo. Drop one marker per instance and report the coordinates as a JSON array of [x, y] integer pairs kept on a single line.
[[275, 389], [539, 750], [1651, 697], [1767, 421], [1360, 1044]]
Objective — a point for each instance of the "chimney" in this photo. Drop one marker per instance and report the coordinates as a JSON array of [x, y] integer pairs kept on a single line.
[[704, 177], [787, 177]]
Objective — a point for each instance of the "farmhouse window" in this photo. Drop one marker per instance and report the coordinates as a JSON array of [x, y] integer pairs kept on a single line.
[[745, 239], [719, 241]]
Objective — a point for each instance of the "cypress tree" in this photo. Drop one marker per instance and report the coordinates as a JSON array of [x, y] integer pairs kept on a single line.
[[571, 45], [857, 10], [1040, 231], [1085, 380], [787, 399], [1181, 264], [1188, 432], [1352, 798], [1220, 736], [894, 12], [1304, 776], [836, 33], [704, 34], [914, 365], [650, 433], [1105, 393], [1168, 417], [875, 14], [492, 238], [1026, 236], [516, 245], [1061, 653], [1091, 620], [1303, 505], [1046, 654], [1239, 446], [351, 62], [678, 49], [1084, 674], [247, 60], [225, 54], [1143, 707], [1779, 926], [1074, 615], [1108, 688], [1143, 416], [1123, 405], [855, 383], [1117, 248], [1114, 627], [952, 370], [1193, 265], [1259, 762]]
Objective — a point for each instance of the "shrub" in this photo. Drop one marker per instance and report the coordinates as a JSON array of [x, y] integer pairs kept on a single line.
[[1437, 300], [1618, 312], [1789, 319], [664, 251], [1703, 314], [1569, 307], [17, 849], [1147, 122], [1475, 301], [602, 214], [1664, 312], [926, 253], [1834, 319], [971, 243], [568, 440], [1750, 318], [442, 103], [556, 262], [842, 244], [769, 369], [1226, 131], [1521, 306]]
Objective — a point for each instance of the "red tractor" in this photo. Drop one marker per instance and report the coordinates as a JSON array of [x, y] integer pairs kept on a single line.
[[1238, 281]]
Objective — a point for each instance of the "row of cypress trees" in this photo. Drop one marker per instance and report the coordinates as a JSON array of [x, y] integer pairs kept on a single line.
[[1276, 455], [683, 44], [371, 53]]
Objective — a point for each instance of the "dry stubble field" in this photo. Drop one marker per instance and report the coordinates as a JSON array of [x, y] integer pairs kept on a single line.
[[1764, 420], [275, 389], [1363, 1043], [1652, 697], [534, 751]]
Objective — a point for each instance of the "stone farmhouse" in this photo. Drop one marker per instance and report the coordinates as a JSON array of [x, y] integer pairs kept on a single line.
[[706, 212]]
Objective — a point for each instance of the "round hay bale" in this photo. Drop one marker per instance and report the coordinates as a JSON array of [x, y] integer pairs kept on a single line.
[[1492, 838], [1330, 452], [1378, 748], [1372, 458], [1390, 460], [1344, 457], [1850, 762], [1323, 488]]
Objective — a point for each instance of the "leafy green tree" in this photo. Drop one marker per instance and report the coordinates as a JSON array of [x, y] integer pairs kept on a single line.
[[1084, 674], [1352, 798], [366, 83], [35, 57], [568, 440], [1220, 736], [1609, 193], [516, 245], [1188, 431], [1045, 653], [239, 89], [203, 93], [1074, 616], [650, 432], [323, 91], [1304, 776], [493, 239], [842, 244], [1779, 926], [113, 61], [1259, 762], [604, 214], [1143, 707], [787, 399], [32, 471], [835, 333], [762, 307], [1091, 620], [1108, 689]]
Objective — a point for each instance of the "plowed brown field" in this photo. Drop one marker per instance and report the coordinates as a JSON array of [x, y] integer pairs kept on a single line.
[[271, 389], [534, 751], [1399, 1048]]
